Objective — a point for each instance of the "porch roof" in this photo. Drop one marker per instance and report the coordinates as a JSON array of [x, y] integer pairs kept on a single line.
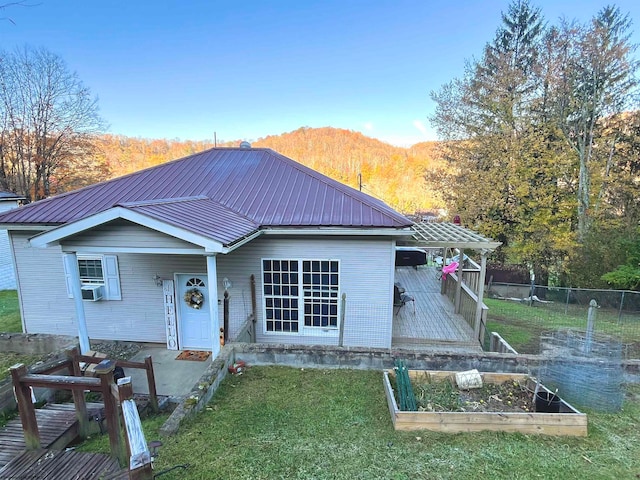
[[445, 234]]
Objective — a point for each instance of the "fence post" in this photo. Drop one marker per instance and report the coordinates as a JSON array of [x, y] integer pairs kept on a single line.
[[79, 400], [591, 323], [151, 381], [104, 371], [620, 310], [225, 315], [343, 303], [253, 306], [140, 467], [566, 305], [25, 407]]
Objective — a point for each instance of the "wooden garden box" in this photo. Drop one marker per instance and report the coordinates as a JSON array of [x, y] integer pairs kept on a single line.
[[569, 421]]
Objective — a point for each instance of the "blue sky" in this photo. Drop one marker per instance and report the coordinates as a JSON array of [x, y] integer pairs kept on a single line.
[[248, 69]]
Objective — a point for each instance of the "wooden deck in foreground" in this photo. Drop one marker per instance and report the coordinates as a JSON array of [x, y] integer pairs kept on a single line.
[[430, 320], [58, 426], [62, 465]]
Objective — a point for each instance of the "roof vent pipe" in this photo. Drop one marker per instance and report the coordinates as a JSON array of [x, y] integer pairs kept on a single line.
[[245, 144]]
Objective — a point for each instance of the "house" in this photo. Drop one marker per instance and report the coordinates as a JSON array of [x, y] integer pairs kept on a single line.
[[8, 200], [149, 257]]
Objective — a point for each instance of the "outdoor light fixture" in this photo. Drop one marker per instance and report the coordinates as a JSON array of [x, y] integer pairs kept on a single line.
[[226, 283], [158, 280]]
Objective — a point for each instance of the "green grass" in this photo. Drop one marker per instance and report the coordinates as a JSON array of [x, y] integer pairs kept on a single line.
[[7, 359], [521, 325], [9, 312], [284, 423]]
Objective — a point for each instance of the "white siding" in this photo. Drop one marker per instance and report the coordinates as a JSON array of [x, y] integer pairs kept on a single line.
[[139, 316], [122, 232], [7, 273], [365, 277]]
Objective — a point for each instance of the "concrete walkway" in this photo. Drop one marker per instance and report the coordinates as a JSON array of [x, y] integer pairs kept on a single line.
[[174, 378]]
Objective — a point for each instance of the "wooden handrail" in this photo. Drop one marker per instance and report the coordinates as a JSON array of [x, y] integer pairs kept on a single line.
[[140, 467], [65, 382], [23, 381], [147, 365]]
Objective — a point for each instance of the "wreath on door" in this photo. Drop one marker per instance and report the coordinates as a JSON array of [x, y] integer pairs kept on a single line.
[[194, 298]]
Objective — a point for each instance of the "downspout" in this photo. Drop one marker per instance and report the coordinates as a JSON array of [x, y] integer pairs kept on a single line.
[[74, 273]]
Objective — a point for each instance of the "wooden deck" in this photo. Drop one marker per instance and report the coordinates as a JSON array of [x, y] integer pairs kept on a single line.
[[57, 425], [430, 320], [62, 465]]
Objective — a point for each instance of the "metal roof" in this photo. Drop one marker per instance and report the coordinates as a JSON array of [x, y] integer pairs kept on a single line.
[[441, 235], [210, 216], [230, 191], [10, 196]]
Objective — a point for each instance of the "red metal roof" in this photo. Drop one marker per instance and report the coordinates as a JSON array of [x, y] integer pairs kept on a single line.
[[224, 193]]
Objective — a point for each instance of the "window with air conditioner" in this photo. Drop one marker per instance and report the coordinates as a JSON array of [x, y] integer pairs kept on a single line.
[[99, 277]]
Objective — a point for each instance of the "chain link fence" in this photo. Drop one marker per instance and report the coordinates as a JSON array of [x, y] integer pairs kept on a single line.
[[521, 314]]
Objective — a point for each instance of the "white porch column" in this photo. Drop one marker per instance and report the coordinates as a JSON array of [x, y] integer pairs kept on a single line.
[[483, 273], [212, 277], [74, 274]]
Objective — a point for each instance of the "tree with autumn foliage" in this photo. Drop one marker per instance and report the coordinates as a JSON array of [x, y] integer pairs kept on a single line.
[[528, 159], [48, 120], [392, 174]]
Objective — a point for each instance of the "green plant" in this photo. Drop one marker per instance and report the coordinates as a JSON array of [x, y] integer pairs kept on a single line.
[[277, 422], [10, 320]]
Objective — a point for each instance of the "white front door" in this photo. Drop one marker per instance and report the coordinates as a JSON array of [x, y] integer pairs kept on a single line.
[[195, 323]]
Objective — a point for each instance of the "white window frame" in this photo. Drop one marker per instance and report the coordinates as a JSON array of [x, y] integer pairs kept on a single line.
[[110, 276], [303, 297]]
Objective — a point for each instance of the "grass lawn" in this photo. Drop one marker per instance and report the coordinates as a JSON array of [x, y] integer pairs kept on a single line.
[[521, 325], [9, 312], [284, 423]]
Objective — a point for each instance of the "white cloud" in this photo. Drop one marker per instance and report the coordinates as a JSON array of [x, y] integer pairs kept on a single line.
[[368, 126], [420, 126]]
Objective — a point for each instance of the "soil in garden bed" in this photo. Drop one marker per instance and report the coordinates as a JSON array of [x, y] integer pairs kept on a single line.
[[445, 396]]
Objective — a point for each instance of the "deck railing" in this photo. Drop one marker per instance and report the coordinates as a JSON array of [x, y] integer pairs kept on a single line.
[[468, 304]]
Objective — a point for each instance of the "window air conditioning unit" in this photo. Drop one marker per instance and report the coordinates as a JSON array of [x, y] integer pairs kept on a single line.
[[92, 293]]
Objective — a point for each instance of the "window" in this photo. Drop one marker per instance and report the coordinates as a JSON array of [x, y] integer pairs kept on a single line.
[[90, 271], [300, 294], [320, 287], [280, 280], [96, 270]]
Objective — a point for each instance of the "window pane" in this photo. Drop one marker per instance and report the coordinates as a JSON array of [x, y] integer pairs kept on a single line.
[[280, 290], [90, 270]]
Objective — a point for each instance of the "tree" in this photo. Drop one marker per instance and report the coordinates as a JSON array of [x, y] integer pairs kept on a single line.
[[538, 151], [503, 175], [48, 119], [598, 80]]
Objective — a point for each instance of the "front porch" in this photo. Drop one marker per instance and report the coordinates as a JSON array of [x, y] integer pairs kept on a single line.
[[433, 321]]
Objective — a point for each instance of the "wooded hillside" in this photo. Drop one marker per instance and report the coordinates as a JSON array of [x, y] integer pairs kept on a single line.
[[394, 174]]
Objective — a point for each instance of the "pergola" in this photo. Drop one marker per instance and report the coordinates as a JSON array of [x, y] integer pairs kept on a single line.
[[449, 235]]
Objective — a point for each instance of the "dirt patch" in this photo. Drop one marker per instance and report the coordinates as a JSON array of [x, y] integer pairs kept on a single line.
[[117, 350], [445, 396]]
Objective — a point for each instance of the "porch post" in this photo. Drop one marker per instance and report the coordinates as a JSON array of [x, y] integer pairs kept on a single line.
[[212, 276], [483, 273], [74, 276], [460, 273], [458, 290]]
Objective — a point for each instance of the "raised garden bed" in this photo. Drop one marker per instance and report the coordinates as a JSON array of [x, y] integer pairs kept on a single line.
[[514, 418]]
